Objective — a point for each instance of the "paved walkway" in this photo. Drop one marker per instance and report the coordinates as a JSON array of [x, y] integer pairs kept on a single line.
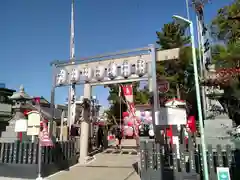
[[106, 166]]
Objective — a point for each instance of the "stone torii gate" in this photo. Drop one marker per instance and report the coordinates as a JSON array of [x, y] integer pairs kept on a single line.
[[113, 68]]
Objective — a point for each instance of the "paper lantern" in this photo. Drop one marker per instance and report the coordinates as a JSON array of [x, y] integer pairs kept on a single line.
[[75, 75], [112, 70], [148, 120], [138, 113], [138, 120], [125, 120], [125, 130], [99, 72], [147, 113], [141, 67], [128, 131], [125, 114], [238, 130], [151, 132], [87, 73], [62, 77], [130, 123], [126, 69], [140, 127]]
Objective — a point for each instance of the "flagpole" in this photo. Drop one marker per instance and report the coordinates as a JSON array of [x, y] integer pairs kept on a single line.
[[187, 8], [120, 97], [39, 152], [72, 89]]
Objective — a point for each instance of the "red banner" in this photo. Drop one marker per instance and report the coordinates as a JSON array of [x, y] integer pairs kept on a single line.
[[128, 93]]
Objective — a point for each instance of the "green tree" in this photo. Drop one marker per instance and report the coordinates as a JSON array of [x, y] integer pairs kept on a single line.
[[226, 25], [226, 30], [227, 55], [177, 72], [171, 36]]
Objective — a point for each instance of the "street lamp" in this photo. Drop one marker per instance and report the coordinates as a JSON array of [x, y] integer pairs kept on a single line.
[[185, 22]]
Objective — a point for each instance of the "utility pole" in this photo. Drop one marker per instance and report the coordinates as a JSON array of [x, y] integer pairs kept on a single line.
[[72, 88]]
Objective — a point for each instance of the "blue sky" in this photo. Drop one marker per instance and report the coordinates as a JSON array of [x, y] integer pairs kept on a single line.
[[35, 32]]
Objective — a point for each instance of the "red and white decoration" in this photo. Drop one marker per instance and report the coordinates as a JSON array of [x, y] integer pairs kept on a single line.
[[132, 121], [128, 93], [145, 117], [45, 140], [128, 131]]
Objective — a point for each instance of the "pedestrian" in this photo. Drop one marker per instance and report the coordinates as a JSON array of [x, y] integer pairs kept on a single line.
[[118, 138], [100, 137]]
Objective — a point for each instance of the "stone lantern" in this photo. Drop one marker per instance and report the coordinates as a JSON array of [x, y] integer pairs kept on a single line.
[[20, 105]]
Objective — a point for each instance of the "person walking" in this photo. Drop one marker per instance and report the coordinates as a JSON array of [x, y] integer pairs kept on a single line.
[[118, 138], [100, 137]]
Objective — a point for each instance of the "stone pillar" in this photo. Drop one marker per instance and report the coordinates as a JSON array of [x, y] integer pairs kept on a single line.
[[85, 125]]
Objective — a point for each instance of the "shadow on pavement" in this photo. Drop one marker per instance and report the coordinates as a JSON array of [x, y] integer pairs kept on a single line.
[[120, 167]]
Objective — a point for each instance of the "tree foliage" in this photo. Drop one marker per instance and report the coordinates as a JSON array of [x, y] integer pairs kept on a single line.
[[177, 72], [226, 25], [226, 30], [171, 36], [227, 55]]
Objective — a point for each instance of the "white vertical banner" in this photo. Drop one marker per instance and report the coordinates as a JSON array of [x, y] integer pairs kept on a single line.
[[204, 36], [119, 95], [119, 90]]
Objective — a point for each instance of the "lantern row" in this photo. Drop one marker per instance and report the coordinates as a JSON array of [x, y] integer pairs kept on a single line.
[[100, 72]]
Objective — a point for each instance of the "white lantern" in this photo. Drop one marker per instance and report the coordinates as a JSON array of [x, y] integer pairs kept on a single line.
[[61, 77], [112, 70], [87, 73], [238, 130], [138, 113], [126, 69], [125, 120], [99, 73], [147, 113], [75, 75], [151, 132], [128, 131], [141, 67]]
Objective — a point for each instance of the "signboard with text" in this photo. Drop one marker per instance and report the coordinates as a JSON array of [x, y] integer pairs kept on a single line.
[[171, 116], [34, 119]]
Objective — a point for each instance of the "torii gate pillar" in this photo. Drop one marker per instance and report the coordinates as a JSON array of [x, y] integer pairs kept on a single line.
[[85, 125]]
